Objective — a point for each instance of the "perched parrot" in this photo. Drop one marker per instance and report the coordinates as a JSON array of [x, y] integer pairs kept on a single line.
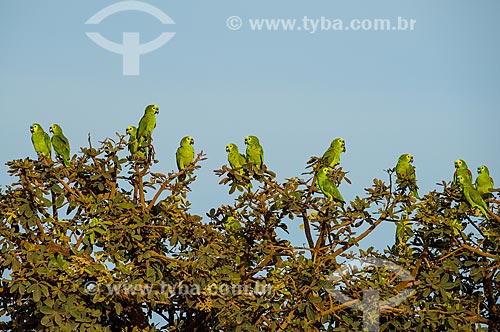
[[146, 125], [462, 169], [232, 224], [133, 144], [331, 157], [328, 188], [41, 141], [235, 158], [472, 195], [403, 230], [184, 154], [60, 144], [255, 152], [405, 172], [484, 182]]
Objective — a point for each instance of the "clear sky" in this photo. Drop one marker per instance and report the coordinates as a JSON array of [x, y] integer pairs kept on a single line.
[[432, 92]]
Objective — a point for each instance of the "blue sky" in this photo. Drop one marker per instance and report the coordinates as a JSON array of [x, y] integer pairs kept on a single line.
[[432, 92]]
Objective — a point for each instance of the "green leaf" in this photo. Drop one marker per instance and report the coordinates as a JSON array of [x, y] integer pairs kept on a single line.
[[58, 318], [56, 189], [37, 293], [47, 321], [59, 201], [316, 299], [46, 310], [118, 308], [311, 315]]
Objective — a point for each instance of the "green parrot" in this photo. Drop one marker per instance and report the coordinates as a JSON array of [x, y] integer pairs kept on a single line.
[[472, 195], [484, 182], [255, 152], [232, 224], [60, 144], [403, 230], [185, 154], [462, 169], [147, 125], [405, 172], [235, 158], [133, 144], [331, 157], [41, 141], [328, 188]]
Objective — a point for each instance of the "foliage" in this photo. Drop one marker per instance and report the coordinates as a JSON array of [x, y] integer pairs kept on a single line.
[[107, 245]]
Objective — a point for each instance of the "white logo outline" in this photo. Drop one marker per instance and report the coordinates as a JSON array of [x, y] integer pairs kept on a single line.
[[371, 303], [130, 49]]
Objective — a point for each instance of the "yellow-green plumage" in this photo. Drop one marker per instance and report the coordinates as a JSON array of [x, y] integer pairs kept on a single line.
[[254, 152], [331, 157], [462, 169], [41, 141], [405, 172], [403, 230], [484, 182], [133, 143], [327, 186], [472, 195], [234, 157], [185, 154], [146, 125], [60, 144]]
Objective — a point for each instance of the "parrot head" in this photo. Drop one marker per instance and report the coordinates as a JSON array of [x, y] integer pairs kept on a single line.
[[459, 163], [407, 157], [339, 142], [35, 127], [55, 129], [131, 130], [483, 169], [251, 140], [187, 140], [325, 170], [230, 147], [460, 179], [152, 109]]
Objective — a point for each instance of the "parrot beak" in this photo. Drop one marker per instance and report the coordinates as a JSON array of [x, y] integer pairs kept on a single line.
[[32, 129], [479, 170], [411, 159], [246, 141], [192, 141], [456, 164], [52, 131], [157, 111], [227, 148], [126, 131]]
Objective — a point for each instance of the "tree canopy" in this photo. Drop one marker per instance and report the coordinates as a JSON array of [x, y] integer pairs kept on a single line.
[[107, 245]]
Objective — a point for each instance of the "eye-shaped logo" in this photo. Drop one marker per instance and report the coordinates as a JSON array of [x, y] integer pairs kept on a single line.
[[131, 49], [371, 303]]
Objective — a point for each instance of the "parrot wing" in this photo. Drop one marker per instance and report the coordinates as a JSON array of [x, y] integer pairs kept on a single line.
[[48, 146], [61, 147]]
